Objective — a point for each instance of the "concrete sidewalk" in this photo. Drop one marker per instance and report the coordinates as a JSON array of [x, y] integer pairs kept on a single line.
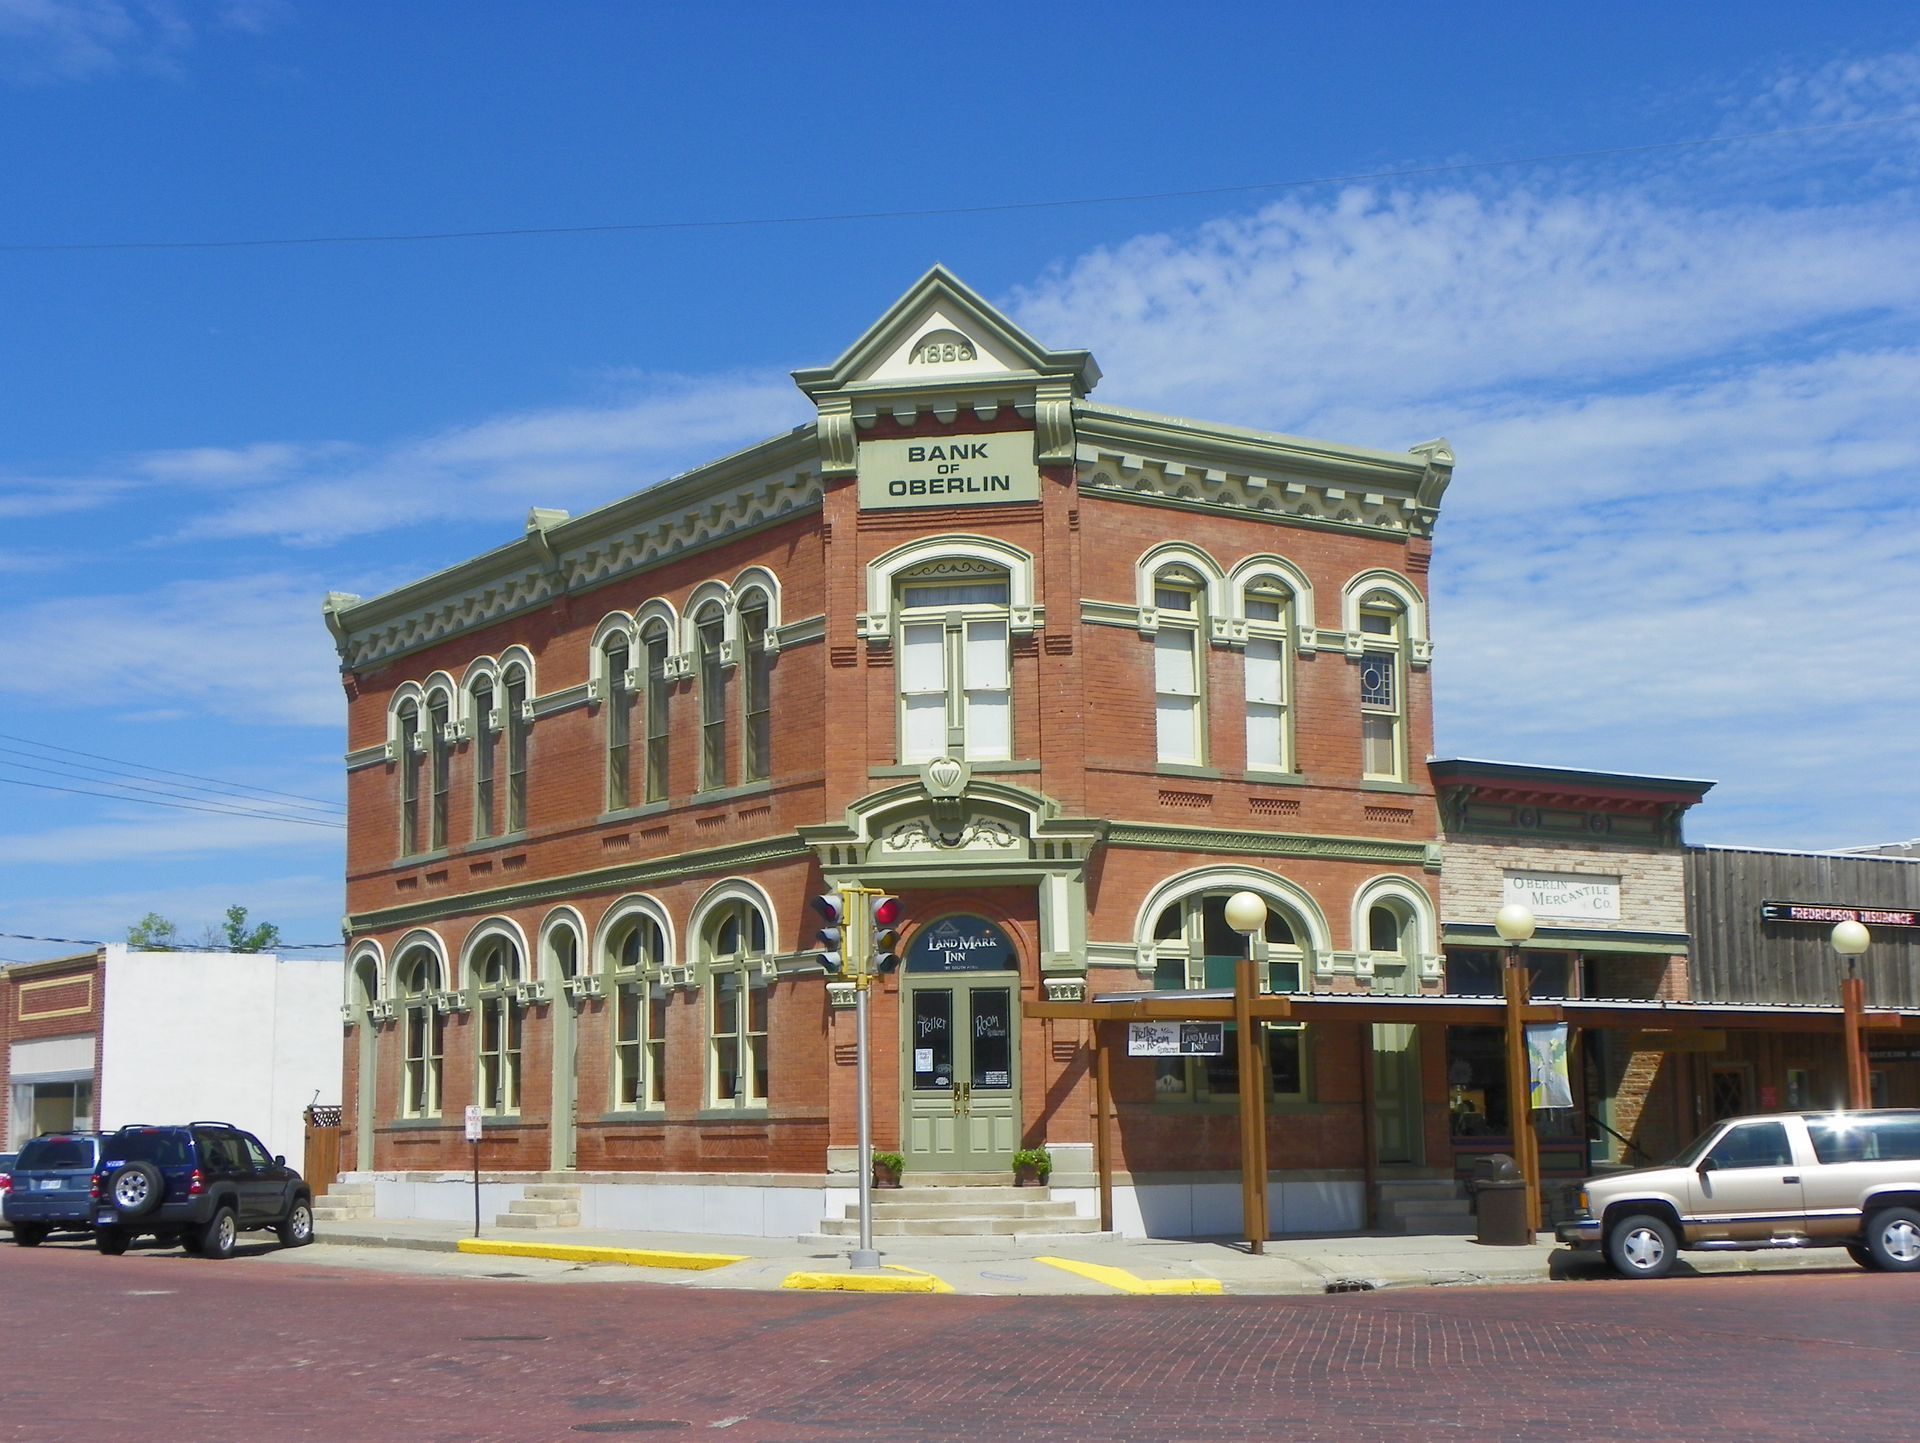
[[1065, 1265]]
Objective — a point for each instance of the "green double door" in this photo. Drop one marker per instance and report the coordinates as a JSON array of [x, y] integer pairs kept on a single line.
[[960, 1061]]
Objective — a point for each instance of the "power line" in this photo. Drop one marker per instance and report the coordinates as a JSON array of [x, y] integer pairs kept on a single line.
[[69, 769], [164, 772], [995, 208], [180, 806]]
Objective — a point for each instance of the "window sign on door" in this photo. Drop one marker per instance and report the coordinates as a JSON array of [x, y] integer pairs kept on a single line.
[[992, 1038], [932, 1038]]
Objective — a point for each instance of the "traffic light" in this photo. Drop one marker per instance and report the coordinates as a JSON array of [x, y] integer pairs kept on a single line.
[[884, 935], [832, 939]]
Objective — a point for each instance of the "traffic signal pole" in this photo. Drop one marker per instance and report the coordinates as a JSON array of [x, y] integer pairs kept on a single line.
[[865, 1257]]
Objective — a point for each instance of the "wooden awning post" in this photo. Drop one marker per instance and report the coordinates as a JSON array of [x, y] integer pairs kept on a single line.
[[1103, 1111], [1252, 1182], [1853, 1004], [1526, 1147]]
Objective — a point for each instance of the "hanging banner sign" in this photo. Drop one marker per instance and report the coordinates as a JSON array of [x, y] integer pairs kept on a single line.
[[1547, 1066], [1176, 1039], [1823, 912], [989, 470]]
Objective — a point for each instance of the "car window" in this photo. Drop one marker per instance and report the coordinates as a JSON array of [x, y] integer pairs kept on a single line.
[[163, 1149], [1838, 1140], [56, 1152], [1754, 1144], [222, 1150], [256, 1154], [1897, 1138]]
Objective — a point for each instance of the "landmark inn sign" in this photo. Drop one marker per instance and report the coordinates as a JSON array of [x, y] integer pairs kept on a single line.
[[988, 470]]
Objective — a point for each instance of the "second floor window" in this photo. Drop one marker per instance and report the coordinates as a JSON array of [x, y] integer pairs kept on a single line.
[[439, 752], [1178, 669], [1383, 705], [515, 724], [955, 677], [615, 660], [408, 735], [756, 686], [710, 637], [1269, 729], [483, 738], [657, 646]]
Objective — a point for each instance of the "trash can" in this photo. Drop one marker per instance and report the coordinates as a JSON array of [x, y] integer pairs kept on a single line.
[[1500, 1199]]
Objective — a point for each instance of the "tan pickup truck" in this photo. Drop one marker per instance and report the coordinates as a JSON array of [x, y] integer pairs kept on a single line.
[[1785, 1180]]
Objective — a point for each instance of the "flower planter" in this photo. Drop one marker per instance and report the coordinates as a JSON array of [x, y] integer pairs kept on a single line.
[[885, 1177], [1028, 1176]]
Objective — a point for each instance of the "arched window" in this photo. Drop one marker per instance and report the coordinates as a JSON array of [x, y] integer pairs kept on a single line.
[[615, 661], [1194, 948], [423, 1030], [410, 742], [1389, 929], [485, 731], [656, 642], [637, 955], [439, 752], [710, 635], [496, 973], [1179, 665], [733, 953], [1269, 665], [516, 687], [954, 663], [756, 689], [1383, 698]]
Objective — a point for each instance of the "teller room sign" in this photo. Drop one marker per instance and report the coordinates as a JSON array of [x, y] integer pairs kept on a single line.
[[1176, 1039], [990, 470]]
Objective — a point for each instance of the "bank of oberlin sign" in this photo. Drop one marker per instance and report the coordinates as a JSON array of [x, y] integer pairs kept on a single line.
[[987, 470]]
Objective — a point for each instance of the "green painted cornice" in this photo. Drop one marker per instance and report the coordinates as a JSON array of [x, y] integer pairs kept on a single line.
[[1570, 939], [1269, 844], [559, 555], [736, 856], [1168, 460]]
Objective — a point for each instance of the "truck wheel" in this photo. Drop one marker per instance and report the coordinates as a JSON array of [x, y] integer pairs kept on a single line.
[[112, 1241], [28, 1235], [216, 1238], [296, 1228], [1893, 1240], [1642, 1246]]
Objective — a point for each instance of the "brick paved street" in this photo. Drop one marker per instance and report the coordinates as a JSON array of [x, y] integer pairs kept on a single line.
[[162, 1347]]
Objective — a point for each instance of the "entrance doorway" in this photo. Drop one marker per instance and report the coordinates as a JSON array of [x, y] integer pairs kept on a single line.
[[1396, 1092], [960, 1048]]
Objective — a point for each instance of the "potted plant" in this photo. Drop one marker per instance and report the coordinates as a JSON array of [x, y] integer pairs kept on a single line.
[[886, 1169], [1032, 1166]]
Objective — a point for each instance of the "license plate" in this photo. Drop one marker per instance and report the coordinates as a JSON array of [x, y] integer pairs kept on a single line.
[[105, 1218], [48, 1184]]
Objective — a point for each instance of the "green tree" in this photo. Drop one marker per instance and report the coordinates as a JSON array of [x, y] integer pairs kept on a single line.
[[261, 937], [155, 933]]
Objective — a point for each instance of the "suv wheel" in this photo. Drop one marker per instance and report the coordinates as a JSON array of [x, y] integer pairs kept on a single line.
[[216, 1238], [27, 1235], [137, 1189], [1862, 1255], [1642, 1246], [1893, 1240], [112, 1241], [296, 1228]]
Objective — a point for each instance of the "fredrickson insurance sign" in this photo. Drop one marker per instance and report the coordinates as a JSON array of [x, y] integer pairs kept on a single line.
[[948, 471]]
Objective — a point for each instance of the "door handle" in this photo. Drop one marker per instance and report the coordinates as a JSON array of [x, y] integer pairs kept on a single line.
[[1791, 1177]]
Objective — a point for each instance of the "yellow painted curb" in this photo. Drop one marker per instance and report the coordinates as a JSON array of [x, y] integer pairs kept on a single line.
[[1126, 1282], [577, 1253], [909, 1281]]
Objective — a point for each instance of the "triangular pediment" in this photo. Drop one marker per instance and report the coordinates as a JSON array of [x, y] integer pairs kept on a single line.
[[942, 333]]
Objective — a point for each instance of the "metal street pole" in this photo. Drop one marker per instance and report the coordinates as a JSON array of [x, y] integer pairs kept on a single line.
[[865, 1257]]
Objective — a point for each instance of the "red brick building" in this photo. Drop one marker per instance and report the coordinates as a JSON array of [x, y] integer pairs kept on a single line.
[[1060, 675]]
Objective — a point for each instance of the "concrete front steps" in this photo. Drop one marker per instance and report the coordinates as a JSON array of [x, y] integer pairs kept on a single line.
[[934, 1206], [344, 1202], [1422, 1205], [543, 1205]]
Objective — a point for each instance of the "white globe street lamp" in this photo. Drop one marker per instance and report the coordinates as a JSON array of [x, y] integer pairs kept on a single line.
[[1247, 912], [1850, 939], [1514, 923]]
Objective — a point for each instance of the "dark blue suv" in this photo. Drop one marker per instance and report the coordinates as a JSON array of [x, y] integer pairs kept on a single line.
[[200, 1184], [48, 1186]]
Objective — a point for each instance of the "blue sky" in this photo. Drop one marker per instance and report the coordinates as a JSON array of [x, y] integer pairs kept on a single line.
[[1681, 380]]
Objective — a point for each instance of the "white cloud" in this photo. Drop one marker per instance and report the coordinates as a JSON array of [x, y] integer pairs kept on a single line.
[[252, 648], [49, 41], [140, 835]]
